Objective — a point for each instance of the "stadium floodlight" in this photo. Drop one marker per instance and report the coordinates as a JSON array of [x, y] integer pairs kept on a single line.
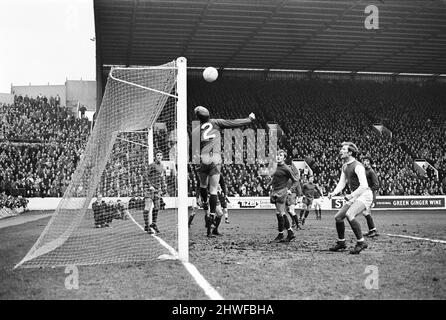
[[136, 103]]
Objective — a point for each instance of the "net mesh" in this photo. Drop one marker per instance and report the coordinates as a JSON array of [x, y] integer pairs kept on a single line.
[[100, 217]]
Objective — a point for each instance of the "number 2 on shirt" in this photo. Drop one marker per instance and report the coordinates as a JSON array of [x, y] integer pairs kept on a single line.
[[207, 127]]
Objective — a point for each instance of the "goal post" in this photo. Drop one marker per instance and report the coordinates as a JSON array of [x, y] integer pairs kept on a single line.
[[101, 217], [182, 157]]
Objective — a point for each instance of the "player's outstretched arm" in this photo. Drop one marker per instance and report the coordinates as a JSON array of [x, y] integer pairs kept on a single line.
[[235, 123]]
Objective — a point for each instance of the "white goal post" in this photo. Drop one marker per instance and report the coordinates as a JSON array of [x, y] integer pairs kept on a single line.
[[182, 159]]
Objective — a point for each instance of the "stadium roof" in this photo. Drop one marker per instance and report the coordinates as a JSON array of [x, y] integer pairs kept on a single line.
[[296, 35]]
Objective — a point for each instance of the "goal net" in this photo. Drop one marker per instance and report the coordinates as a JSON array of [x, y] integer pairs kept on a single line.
[[119, 190]]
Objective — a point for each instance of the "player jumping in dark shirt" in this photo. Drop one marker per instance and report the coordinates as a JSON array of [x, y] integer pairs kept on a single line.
[[210, 159]]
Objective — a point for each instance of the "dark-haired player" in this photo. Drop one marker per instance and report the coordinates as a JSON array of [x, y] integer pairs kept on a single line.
[[121, 210], [210, 157], [372, 180], [278, 195], [99, 212], [296, 192], [157, 186], [361, 198], [317, 202], [308, 189]]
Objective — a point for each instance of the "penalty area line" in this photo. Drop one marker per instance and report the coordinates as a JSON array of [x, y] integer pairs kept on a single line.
[[196, 275], [415, 238], [403, 236]]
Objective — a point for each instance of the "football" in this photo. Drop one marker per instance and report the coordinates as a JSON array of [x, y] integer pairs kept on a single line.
[[210, 74]]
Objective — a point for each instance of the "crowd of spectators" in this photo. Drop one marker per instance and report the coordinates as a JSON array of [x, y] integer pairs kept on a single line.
[[41, 143], [40, 146], [317, 115], [12, 202]]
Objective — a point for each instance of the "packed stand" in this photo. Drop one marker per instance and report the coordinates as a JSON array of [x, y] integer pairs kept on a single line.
[[41, 143], [40, 146], [316, 116]]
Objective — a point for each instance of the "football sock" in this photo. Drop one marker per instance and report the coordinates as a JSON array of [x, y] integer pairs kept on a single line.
[[213, 203], [356, 227], [286, 222], [217, 221], [204, 197], [280, 222], [307, 212], [301, 214], [145, 214], [370, 222], [191, 217], [296, 221], [212, 217], [154, 215], [340, 228]]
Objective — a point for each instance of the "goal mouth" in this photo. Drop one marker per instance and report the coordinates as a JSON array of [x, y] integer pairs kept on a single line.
[[105, 211]]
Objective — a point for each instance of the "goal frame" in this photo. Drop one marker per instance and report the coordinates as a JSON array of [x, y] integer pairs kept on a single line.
[[182, 159], [182, 153]]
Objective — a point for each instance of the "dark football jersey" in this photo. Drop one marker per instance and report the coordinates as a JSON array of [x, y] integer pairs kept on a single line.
[[372, 179], [156, 176], [210, 131], [281, 177]]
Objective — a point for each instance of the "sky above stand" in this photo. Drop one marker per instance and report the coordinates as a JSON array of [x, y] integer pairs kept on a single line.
[[46, 41]]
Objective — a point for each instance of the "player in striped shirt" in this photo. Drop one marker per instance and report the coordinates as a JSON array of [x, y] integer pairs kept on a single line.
[[210, 158], [278, 195], [361, 198]]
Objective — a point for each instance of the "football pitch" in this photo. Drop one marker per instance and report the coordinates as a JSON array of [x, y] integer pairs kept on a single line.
[[406, 261]]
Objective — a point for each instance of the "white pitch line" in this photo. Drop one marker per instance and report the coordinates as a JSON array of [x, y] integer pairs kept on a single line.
[[403, 236], [199, 279], [415, 238], [13, 221]]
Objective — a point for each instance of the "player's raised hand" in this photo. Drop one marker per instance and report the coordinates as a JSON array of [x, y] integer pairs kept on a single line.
[[329, 195], [252, 116]]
